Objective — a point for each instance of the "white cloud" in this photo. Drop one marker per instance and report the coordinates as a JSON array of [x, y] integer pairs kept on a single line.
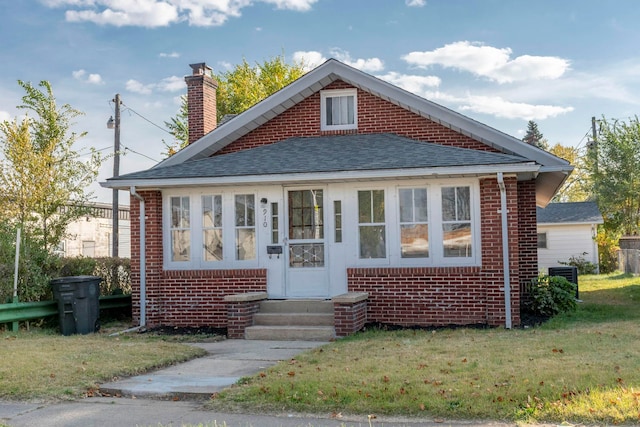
[[82, 76], [369, 65], [168, 84], [490, 62], [4, 116], [95, 79], [172, 84], [137, 87], [299, 5], [226, 65], [412, 83], [169, 55], [162, 13], [144, 13], [415, 3], [500, 107], [311, 58]]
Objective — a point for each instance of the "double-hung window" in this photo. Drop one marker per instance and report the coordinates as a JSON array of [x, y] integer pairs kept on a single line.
[[180, 229], [456, 222], [245, 213], [371, 224], [212, 227], [339, 109], [414, 223]]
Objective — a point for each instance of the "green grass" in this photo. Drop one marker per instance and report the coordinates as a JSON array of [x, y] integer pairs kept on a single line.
[[44, 365], [579, 367]]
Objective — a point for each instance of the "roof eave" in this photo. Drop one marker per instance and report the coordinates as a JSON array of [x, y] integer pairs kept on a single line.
[[521, 169]]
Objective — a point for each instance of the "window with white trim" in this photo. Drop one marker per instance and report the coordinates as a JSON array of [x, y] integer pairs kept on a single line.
[[414, 223], [339, 109], [209, 229], [371, 224], [180, 229], [212, 228], [456, 222], [245, 213]]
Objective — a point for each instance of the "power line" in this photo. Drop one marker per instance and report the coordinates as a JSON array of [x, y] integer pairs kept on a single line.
[[140, 154], [147, 120]]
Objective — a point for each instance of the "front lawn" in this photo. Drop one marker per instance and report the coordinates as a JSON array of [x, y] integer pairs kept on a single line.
[[46, 365], [578, 367]]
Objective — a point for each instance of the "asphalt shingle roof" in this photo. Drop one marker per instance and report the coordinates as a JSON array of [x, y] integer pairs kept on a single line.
[[587, 212], [358, 152]]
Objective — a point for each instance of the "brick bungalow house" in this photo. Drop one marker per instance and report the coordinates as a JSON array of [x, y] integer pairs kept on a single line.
[[339, 190]]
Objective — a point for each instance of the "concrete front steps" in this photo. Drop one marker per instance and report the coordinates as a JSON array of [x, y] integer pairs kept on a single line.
[[292, 320]]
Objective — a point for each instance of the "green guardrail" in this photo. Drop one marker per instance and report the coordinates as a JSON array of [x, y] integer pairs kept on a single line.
[[20, 311]]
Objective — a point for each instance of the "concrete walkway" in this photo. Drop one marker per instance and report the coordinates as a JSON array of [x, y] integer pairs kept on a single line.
[[226, 362], [148, 400]]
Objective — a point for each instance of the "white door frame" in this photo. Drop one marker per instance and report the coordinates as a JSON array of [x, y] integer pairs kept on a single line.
[[308, 281]]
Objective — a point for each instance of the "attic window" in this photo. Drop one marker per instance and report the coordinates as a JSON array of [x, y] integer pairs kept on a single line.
[[339, 109]]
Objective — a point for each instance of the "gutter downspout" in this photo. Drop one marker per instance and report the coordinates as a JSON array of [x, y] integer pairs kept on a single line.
[[143, 260], [505, 251]]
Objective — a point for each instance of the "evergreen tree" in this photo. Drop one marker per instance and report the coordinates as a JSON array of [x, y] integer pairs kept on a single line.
[[534, 136]]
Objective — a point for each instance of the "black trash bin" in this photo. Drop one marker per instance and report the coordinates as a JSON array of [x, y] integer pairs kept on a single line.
[[78, 303]]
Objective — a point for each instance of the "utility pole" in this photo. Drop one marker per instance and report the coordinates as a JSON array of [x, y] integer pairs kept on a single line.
[[115, 125], [594, 145]]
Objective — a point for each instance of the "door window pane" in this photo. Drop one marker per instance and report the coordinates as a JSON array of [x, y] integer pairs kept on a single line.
[[306, 214]]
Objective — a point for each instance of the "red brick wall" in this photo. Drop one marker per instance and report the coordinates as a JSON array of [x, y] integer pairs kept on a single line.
[[181, 298], [375, 115], [402, 296], [201, 99], [528, 231], [450, 295]]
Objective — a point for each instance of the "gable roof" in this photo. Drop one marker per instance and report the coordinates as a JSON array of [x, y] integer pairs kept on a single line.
[[550, 176], [332, 154], [570, 213]]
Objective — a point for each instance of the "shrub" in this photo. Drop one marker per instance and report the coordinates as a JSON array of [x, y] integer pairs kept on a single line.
[[35, 269], [115, 272], [583, 266], [551, 295]]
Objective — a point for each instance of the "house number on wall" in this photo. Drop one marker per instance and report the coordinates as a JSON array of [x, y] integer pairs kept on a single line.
[[265, 222]]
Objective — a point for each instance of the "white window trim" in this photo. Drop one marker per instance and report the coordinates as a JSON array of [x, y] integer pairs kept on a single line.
[[392, 217], [323, 112], [356, 232], [418, 260], [197, 261]]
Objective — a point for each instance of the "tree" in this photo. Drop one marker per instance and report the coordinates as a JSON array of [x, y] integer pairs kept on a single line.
[[43, 179], [534, 136], [577, 187], [179, 128], [613, 163], [238, 90]]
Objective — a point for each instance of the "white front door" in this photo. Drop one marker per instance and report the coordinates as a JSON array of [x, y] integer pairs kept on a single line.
[[305, 244]]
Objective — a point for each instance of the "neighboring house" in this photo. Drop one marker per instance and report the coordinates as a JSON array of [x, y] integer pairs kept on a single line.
[[338, 187], [567, 230], [90, 235]]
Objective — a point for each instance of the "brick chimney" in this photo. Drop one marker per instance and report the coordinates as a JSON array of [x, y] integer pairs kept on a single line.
[[201, 99]]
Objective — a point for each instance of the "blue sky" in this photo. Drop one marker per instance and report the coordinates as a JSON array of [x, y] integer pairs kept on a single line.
[[500, 62]]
